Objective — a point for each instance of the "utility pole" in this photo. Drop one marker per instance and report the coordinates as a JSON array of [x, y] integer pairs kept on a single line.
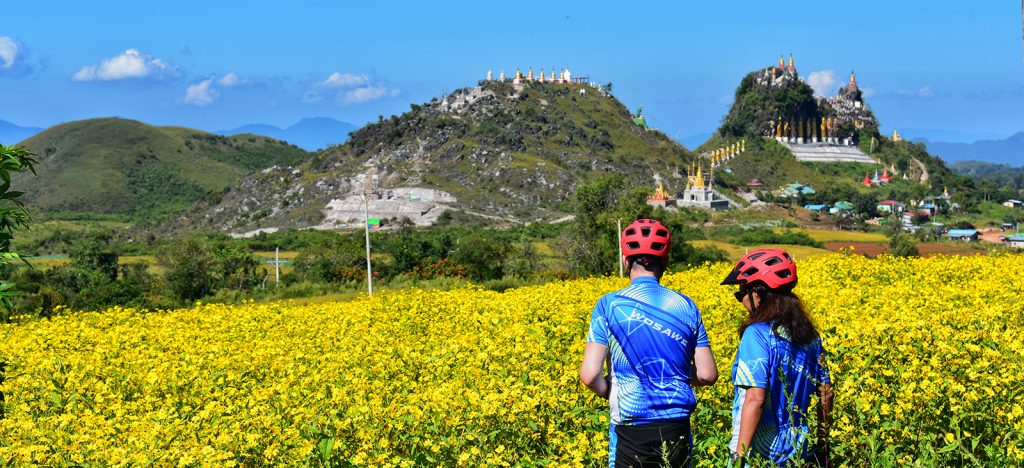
[[368, 189], [277, 266], [618, 225]]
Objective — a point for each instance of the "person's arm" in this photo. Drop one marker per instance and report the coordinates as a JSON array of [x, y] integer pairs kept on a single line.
[[706, 371], [750, 416], [591, 371], [824, 420]]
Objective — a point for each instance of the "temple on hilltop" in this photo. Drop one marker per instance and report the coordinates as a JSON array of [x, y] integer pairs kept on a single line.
[[777, 75], [836, 121], [700, 193], [563, 77]]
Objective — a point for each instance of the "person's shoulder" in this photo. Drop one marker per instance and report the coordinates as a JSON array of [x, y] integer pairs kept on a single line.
[[679, 296], [760, 329]]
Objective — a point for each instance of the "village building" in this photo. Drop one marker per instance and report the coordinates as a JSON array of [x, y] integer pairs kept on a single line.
[[795, 189], [1015, 241], [841, 208], [1013, 203], [966, 235], [819, 208], [890, 206]]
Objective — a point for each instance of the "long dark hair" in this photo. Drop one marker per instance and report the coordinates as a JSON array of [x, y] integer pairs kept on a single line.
[[787, 311]]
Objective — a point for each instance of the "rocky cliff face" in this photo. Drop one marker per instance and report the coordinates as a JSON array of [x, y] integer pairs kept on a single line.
[[515, 152]]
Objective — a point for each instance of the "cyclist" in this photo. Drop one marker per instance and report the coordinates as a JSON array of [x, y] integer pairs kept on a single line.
[[657, 349], [779, 364]]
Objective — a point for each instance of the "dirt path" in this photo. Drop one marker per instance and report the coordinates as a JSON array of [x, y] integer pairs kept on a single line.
[[924, 170]]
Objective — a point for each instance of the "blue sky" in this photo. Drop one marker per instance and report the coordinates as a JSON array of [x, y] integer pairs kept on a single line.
[[220, 64]]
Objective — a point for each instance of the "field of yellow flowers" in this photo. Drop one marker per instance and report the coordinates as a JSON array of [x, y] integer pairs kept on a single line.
[[927, 356]]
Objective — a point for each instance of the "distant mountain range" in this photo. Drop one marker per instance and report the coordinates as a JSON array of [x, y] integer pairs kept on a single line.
[[309, 134], [11, 133], [1009, 150], [951, 136]]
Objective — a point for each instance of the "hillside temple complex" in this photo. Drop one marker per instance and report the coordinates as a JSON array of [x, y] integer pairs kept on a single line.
[[830, 134], [563, 77]]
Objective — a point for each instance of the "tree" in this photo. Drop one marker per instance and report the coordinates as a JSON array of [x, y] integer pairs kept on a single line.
[[482, 256], [190, 269], [592, 240], [13, 214], [95, 254], [902, 245]]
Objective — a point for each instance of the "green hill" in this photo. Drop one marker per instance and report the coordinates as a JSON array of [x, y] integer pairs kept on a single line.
[[129, 170], [510, 152]]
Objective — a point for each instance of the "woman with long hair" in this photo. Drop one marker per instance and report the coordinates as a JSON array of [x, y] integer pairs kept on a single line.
[[780, 363]]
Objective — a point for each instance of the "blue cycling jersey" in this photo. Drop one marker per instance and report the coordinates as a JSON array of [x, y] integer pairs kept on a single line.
[[651, 332], [791, 374]]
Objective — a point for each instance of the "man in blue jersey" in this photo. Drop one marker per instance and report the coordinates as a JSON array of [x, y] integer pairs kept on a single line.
[[657, 349]]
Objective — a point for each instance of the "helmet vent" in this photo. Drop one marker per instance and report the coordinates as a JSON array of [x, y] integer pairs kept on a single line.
[[661, 233], [783, 274], [633, 245], [749, 272], [658, 246], [630, 232], [645, 231], [756, 256], [773, 261]]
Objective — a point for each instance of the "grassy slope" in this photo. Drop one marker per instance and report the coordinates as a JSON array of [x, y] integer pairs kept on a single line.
[[127, 168], [550, 131]]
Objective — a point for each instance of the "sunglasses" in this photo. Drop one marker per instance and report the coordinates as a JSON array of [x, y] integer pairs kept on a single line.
[[742, 293]]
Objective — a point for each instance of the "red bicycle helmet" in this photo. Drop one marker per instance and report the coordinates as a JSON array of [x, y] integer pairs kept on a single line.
[[647, 237], [773, 267]]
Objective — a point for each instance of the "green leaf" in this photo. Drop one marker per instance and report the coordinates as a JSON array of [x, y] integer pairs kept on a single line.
[[326, 446], [56, 400]]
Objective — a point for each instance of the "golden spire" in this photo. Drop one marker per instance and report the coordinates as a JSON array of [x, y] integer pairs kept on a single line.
[[519, 74], [782, 61], [853, 79], [700, 177], [530, 75], [791, 67]]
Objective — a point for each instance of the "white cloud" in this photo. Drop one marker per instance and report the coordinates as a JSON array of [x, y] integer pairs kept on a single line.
[[345, 80], [130, 64], [232, 80], [823, 82], [365, 94], [868, 92], [201, 94], [9, 52], [349, 88]]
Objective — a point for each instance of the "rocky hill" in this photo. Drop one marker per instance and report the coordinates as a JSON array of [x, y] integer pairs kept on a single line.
[[513, 152], [138, 172], [828, 142]]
